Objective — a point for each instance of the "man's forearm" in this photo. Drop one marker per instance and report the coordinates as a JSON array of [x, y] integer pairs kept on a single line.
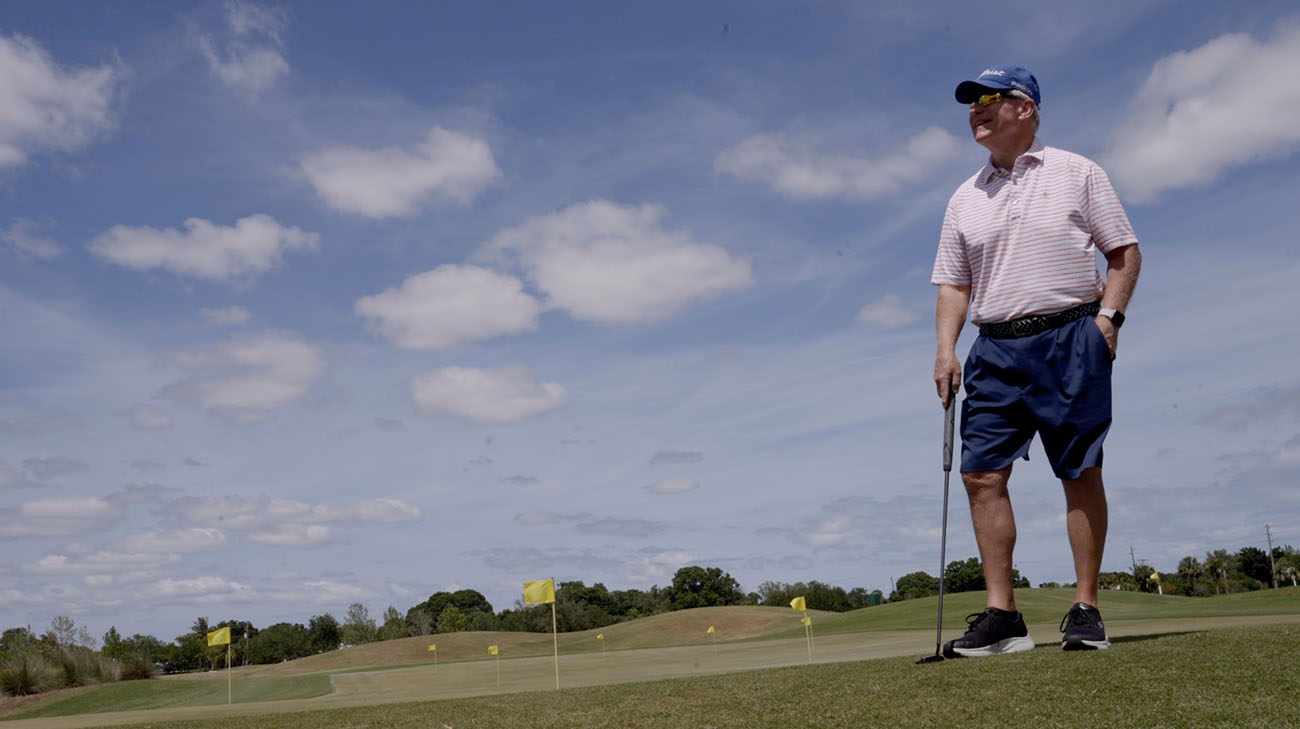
[[1122, 268], [950, 316]]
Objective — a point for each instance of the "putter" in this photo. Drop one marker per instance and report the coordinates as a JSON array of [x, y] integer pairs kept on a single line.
[[949, 414]]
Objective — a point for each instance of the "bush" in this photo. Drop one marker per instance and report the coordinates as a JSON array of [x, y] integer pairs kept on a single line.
[[138, 668], [25, 672]]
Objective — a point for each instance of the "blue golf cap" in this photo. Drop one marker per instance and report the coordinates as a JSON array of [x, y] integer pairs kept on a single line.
[[999, 78]]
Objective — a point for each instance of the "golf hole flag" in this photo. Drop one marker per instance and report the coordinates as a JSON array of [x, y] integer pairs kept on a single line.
[[711, 630], [539, 592], [219, 637], [600, 636], [807, 622], [493, 650], [433, 646], [799, 604]]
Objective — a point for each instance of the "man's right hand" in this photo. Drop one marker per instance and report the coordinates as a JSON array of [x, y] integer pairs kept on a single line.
[[947, 376]]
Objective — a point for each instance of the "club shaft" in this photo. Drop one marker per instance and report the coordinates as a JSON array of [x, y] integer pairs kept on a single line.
[[949, 416]]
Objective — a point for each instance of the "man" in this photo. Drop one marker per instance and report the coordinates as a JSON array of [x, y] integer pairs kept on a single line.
[[1018, 249]]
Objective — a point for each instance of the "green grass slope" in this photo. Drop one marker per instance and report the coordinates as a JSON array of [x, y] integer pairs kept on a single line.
[[1240, 677], [132, 695]]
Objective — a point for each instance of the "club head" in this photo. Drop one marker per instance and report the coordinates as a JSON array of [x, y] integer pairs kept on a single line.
[[930, 659]]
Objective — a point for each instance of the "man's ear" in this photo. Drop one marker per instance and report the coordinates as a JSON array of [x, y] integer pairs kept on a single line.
[[1027, 109]]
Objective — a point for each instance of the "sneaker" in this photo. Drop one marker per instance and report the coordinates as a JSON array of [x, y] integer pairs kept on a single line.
[[991, 633], [1083, 629]]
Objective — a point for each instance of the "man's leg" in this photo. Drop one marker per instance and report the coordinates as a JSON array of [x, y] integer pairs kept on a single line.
[[1086, 520], [995, 532]]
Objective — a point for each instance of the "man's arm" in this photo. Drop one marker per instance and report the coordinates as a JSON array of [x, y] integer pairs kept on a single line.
[[949, 317], [1122, 268]]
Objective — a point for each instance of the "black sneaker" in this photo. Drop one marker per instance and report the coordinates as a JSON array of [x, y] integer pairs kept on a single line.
[[1083, 629], [991, 633]]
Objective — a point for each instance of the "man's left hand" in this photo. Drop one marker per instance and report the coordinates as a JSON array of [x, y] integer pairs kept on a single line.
[[1108, 329]]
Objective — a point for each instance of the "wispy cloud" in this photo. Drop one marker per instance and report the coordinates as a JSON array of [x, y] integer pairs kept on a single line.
[[22, 236], [889, 312], [248, 376], [230, 316], [147, 417], [249, 55], [673, 486], [503, 395]]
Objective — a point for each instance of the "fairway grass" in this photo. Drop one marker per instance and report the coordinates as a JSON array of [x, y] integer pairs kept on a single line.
[[1235, 677], [133, 695]]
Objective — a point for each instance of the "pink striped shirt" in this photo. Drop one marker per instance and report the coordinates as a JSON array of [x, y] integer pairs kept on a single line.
[[1026, 240]]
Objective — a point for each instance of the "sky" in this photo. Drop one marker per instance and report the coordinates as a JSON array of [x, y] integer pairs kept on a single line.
[[310, 304]]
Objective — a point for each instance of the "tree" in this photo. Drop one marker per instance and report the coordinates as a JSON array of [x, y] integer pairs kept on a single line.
[[452, 620], [325, 635], [965, 576], [1142, 574], [913, 585], [1216, 567], [468, 601], [280, 642], [1189, 568], [696, 586], [395, 626], [358, 627], [421, 622], [1254, 563]]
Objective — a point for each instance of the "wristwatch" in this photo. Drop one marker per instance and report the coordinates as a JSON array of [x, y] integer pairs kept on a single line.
[[1115, 315]]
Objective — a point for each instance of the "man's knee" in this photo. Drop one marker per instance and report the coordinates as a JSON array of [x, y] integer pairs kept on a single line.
[[986, 484]]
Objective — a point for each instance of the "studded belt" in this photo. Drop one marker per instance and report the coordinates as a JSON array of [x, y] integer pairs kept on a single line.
[[1037, 324]]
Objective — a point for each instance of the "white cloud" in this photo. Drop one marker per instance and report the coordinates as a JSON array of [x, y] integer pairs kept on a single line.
[[1184, 128], [533, 518], [832, 531], [449, 305], [663, 458], [673, 486], [794, 168], [45, 106], [322, 592], [148, 417], [172, 541], [22, 236], [197, 590], [38, 424], [889, 313], [250, 56], [253, 246], [249, 375], [616, 264], [294, 535], [102, 562], [58, 517], [230, 316], [391, 182], [47, 468], [656, 566], [504, 395]]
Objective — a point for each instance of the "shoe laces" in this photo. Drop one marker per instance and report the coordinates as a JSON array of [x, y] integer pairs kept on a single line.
[[1078, 617], [974, 619]]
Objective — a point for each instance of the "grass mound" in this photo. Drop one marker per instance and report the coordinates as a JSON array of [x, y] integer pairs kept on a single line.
[[132, 695], [1239, 677]]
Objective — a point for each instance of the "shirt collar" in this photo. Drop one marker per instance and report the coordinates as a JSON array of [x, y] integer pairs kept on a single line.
[[1035, 153]]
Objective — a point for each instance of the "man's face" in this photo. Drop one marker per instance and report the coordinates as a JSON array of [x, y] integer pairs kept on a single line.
[[997, 121]]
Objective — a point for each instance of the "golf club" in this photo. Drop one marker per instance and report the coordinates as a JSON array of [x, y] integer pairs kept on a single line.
[[949, 413]]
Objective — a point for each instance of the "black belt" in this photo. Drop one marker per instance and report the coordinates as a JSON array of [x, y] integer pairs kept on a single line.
[[1030, 325]]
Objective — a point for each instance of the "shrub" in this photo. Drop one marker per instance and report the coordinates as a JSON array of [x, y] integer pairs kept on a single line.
[[138, 668], [25, 671]]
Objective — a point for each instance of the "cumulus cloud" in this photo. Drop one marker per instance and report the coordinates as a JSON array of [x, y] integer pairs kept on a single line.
[[616, 264], [504, 395], [38, 424], [673, 486], [102, 562], [197, 591], [1263, 408], [230, 316], [249, 55], [294, 535], [11, 479], [59, 517], [148, 417], [198, 539], [46, 106], [254, 245], [615, 527], [888, 313], [394, 183], [794, 168], [247, 376], [450, 305], [664, 458], [47, 468], [288, 522], [1180, 133], [22, 236]]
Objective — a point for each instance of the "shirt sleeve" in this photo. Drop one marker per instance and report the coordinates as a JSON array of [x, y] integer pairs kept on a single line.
[[1104, 214], [950, 263]]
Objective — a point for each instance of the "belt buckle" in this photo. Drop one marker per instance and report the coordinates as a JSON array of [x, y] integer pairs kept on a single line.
[[1025, 327]]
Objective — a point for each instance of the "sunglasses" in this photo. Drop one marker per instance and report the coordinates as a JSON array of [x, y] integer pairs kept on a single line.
[[986, 99]]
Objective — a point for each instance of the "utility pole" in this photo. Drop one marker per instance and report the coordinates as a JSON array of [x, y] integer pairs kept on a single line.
[[1133, 557], [1272, 570]]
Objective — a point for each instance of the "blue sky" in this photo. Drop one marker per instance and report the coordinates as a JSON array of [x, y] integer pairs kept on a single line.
[[308, 305]]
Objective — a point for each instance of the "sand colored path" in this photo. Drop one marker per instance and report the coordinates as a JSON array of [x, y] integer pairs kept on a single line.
[[479, 678]]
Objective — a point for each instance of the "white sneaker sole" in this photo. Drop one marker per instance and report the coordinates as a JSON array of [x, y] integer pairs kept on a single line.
[[1008, 645], [1084, 645]]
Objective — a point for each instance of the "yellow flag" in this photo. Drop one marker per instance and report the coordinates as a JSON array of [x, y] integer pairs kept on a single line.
[[798, 604], [493, 650], [710, 630], [219, 637], [539, 592], [1155, 576], [807, 621], [600, 636], [433, 646]]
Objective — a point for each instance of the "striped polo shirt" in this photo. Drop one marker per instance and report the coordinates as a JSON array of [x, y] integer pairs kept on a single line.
[[1026, 240]]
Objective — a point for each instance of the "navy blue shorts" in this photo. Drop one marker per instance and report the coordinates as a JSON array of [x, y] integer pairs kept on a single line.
[[1056, 384]]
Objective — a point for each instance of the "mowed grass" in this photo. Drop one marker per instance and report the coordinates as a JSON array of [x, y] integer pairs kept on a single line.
[[1237, 677], [133, 695]]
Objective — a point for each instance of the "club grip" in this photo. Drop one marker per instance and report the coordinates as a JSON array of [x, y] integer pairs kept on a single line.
[[949, 416]]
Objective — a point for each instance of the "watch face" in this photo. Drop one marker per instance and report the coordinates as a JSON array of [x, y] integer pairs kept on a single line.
[[1118, 318]]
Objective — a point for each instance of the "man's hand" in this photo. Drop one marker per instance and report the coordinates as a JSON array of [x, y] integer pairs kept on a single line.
[[1108, 329], [947, 376]]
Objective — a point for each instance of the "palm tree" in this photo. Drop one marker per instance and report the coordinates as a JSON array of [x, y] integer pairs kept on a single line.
[[1189, 567], [1216, 566]]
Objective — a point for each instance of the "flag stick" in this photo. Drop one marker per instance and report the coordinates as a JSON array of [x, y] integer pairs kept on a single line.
[[555, 637], [498, 662], [807, 631], [229, 690]]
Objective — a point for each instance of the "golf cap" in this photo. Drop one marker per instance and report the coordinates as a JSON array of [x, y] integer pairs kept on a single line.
[[999, 78]]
